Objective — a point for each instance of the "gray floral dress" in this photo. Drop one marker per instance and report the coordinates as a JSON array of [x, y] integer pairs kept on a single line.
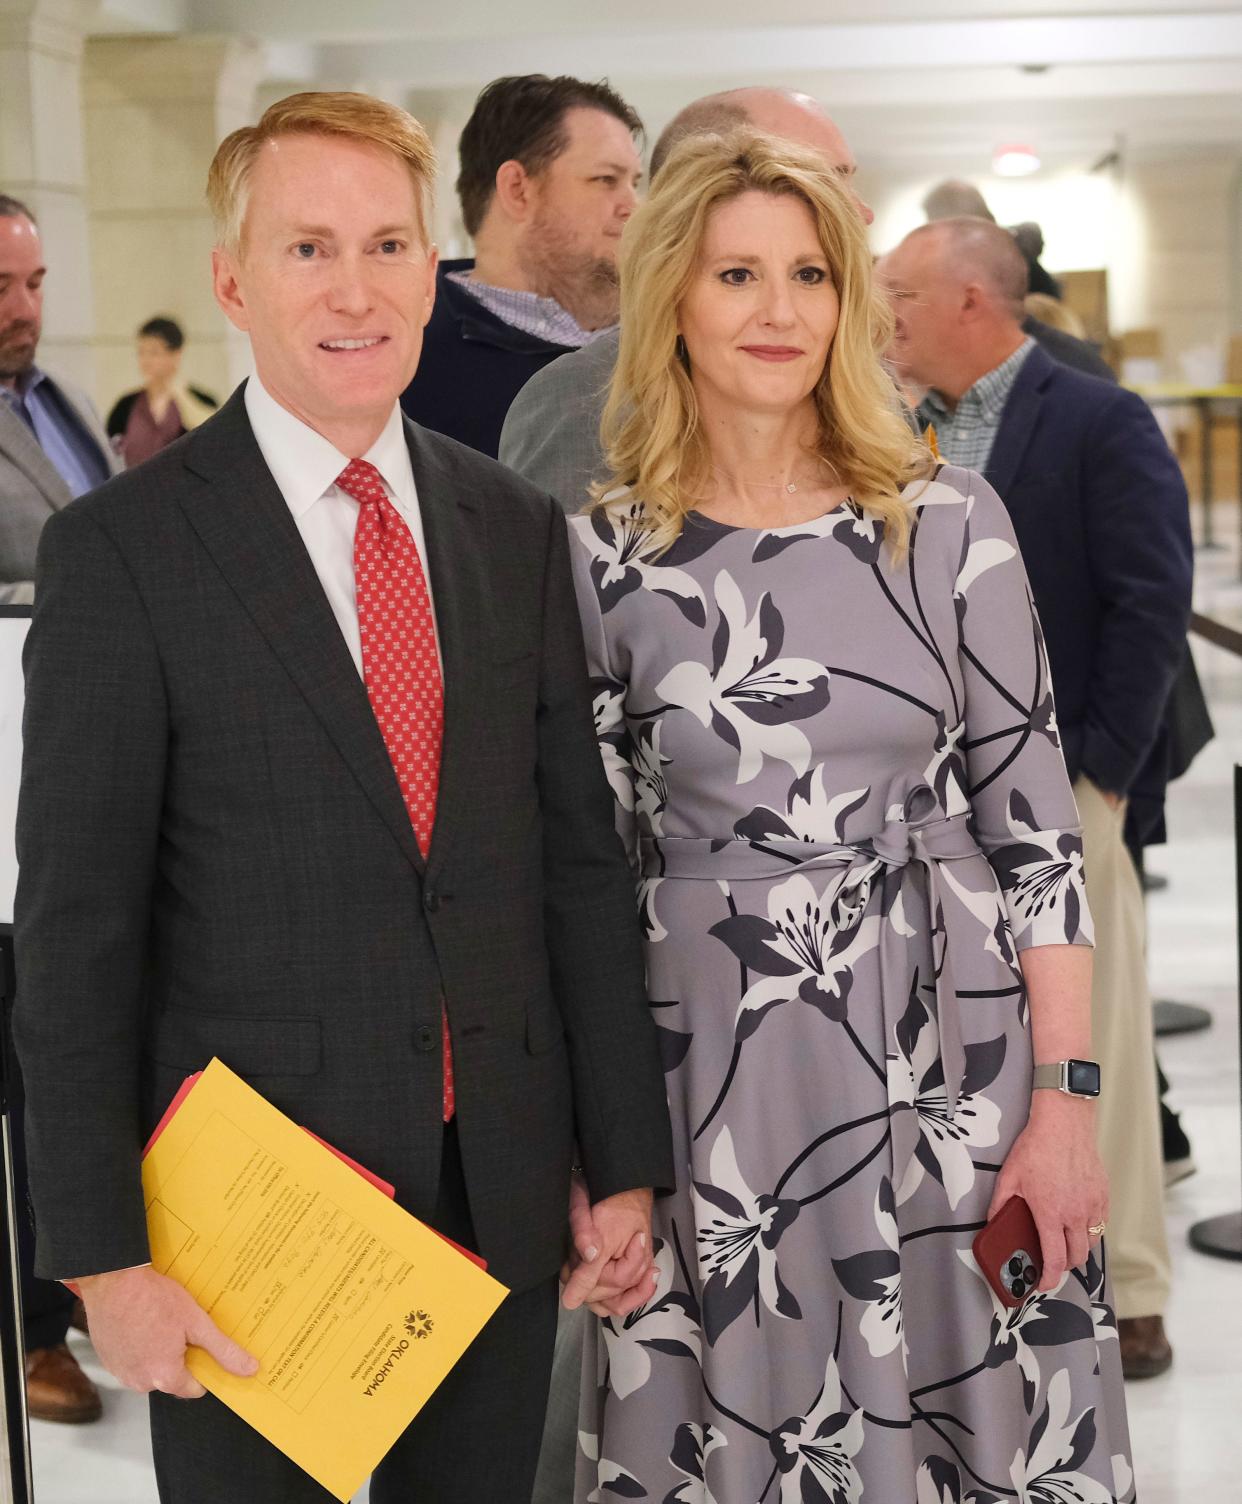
[[844, 794]]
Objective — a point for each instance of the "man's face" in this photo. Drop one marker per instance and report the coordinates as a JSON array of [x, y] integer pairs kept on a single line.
[[809, 126], [21, 296], [582, 199], [335, 281], [926, 302]]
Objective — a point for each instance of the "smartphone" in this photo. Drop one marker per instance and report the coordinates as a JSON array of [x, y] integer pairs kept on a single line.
[[1007, 1251]]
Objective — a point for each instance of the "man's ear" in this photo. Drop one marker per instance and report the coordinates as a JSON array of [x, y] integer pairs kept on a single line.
[[972, 303], [513, 190], [225, 285], [433, 262]]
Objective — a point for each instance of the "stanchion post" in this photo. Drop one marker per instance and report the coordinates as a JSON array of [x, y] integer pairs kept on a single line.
[[19, 1480], [1222, 1236]]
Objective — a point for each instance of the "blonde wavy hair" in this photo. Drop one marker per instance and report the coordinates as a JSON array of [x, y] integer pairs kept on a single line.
[[652, 436]]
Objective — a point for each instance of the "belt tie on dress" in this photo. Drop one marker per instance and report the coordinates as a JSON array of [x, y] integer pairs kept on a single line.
[[895, 846]]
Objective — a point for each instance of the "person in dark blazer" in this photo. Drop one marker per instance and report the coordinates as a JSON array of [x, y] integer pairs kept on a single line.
[[1101, 515], [549, 176], [368, 863]]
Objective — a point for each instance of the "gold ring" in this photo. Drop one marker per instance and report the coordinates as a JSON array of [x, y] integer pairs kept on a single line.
[[1097, 1231]]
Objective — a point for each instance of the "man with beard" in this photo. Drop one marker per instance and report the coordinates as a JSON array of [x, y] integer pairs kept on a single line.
[[52, 446], [549, 176]]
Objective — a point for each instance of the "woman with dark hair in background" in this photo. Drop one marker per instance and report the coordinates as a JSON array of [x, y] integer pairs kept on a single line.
[[143, 422]]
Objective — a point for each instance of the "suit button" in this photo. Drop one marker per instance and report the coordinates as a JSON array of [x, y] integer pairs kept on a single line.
[[431, 900], [426, 1038]]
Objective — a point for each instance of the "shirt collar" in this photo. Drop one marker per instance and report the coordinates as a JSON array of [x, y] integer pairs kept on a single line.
[[305, 465], [989, 394], [25, 385]]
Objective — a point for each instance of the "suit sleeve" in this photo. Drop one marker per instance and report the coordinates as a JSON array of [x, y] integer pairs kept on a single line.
[[591, 921], [1138, 541], [95, 736]]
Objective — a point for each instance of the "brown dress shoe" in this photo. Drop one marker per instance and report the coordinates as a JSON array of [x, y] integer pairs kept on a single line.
[[57, 1389], [1145, 1350]]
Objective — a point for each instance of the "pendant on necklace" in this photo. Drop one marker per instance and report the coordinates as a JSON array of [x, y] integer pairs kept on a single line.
[[791, 488]]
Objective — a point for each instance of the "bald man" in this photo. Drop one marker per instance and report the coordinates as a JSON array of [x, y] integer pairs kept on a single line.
[[551, 433], [1100, 511]]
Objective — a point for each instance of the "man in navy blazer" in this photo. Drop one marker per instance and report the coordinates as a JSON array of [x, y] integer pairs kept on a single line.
[[1100, 511]]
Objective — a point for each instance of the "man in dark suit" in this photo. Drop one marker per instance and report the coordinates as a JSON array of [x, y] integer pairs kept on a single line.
[[1101, 515], [264, 668]]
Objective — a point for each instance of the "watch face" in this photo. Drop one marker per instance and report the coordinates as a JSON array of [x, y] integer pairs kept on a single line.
[[1084, 1078]]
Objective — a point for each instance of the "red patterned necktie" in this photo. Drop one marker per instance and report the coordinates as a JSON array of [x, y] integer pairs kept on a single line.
[[400, 663]]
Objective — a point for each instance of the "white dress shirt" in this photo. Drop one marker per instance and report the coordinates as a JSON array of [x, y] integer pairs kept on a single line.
[[305, 466]]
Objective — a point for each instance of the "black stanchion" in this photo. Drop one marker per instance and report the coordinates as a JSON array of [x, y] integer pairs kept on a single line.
[[1222, 1236], [12, 1346]]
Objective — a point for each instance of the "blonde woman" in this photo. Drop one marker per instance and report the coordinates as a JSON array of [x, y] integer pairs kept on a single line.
[[823, 703]]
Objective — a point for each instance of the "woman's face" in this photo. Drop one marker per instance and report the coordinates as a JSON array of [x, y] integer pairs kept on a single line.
[[156, 361], [761, 311]]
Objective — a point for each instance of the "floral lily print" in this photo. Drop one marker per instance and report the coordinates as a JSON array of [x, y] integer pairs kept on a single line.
[[841, 787]]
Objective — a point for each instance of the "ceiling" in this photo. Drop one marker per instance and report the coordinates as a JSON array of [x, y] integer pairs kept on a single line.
[[918, 86]]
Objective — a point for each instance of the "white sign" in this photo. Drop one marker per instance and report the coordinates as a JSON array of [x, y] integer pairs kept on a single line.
[[12, 696]]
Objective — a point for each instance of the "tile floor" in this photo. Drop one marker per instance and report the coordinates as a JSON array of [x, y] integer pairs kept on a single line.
[[1187, 1426]]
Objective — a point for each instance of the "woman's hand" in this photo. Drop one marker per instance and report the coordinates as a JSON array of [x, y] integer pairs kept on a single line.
[[1055, 1167]]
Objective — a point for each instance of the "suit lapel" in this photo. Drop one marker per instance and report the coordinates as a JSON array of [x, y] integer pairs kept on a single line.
[[1018, 420], [244, 523], [455, 530], [21, 446]]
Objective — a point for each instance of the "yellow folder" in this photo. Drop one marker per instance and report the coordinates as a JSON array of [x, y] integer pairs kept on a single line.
[[355, 1310]]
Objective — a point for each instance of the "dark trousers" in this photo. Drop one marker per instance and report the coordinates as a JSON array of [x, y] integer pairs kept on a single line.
[[476, 1439]]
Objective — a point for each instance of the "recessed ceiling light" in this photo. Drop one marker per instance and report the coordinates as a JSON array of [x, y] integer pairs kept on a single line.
[[1014, 161]]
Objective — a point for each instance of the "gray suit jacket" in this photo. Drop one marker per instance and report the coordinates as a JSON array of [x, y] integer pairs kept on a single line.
[[216, 859], [551, 434], [31, 490]]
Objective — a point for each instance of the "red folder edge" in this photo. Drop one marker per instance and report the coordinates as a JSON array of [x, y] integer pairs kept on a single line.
[[184, 1090]]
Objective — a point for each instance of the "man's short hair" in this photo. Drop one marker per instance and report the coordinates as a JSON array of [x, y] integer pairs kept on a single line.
[[955, 199], [344, 117], [13, 208], [980, 250], [521, 118], [164, 329], [716, 115]]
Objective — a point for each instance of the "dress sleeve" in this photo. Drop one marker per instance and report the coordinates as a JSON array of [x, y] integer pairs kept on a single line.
[[607, 697], [1025, 818]]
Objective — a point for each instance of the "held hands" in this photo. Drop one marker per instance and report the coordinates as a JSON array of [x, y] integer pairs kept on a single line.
[[1055, 1167], [141, 1323], [609, 1267]]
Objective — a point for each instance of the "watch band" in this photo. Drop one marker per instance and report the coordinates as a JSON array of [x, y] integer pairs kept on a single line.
[[1076, 1078]]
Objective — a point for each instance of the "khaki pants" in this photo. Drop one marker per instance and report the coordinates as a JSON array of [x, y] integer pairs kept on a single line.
[[1121, 1025]]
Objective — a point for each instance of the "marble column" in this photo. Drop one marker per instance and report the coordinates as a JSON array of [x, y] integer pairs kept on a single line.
[[42, 163], [156, 108]]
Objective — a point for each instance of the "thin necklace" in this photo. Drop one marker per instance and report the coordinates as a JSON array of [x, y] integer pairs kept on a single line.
[[766, 485]]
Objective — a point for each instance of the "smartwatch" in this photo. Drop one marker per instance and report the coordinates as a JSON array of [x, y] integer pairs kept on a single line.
[[1076, 1078]]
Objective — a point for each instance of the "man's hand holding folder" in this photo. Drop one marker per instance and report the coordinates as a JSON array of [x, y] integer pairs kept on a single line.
[[265, 1238], [141, 1323]]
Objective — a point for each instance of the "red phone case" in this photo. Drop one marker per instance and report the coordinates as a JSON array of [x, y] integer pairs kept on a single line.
[[1007, 1251]]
